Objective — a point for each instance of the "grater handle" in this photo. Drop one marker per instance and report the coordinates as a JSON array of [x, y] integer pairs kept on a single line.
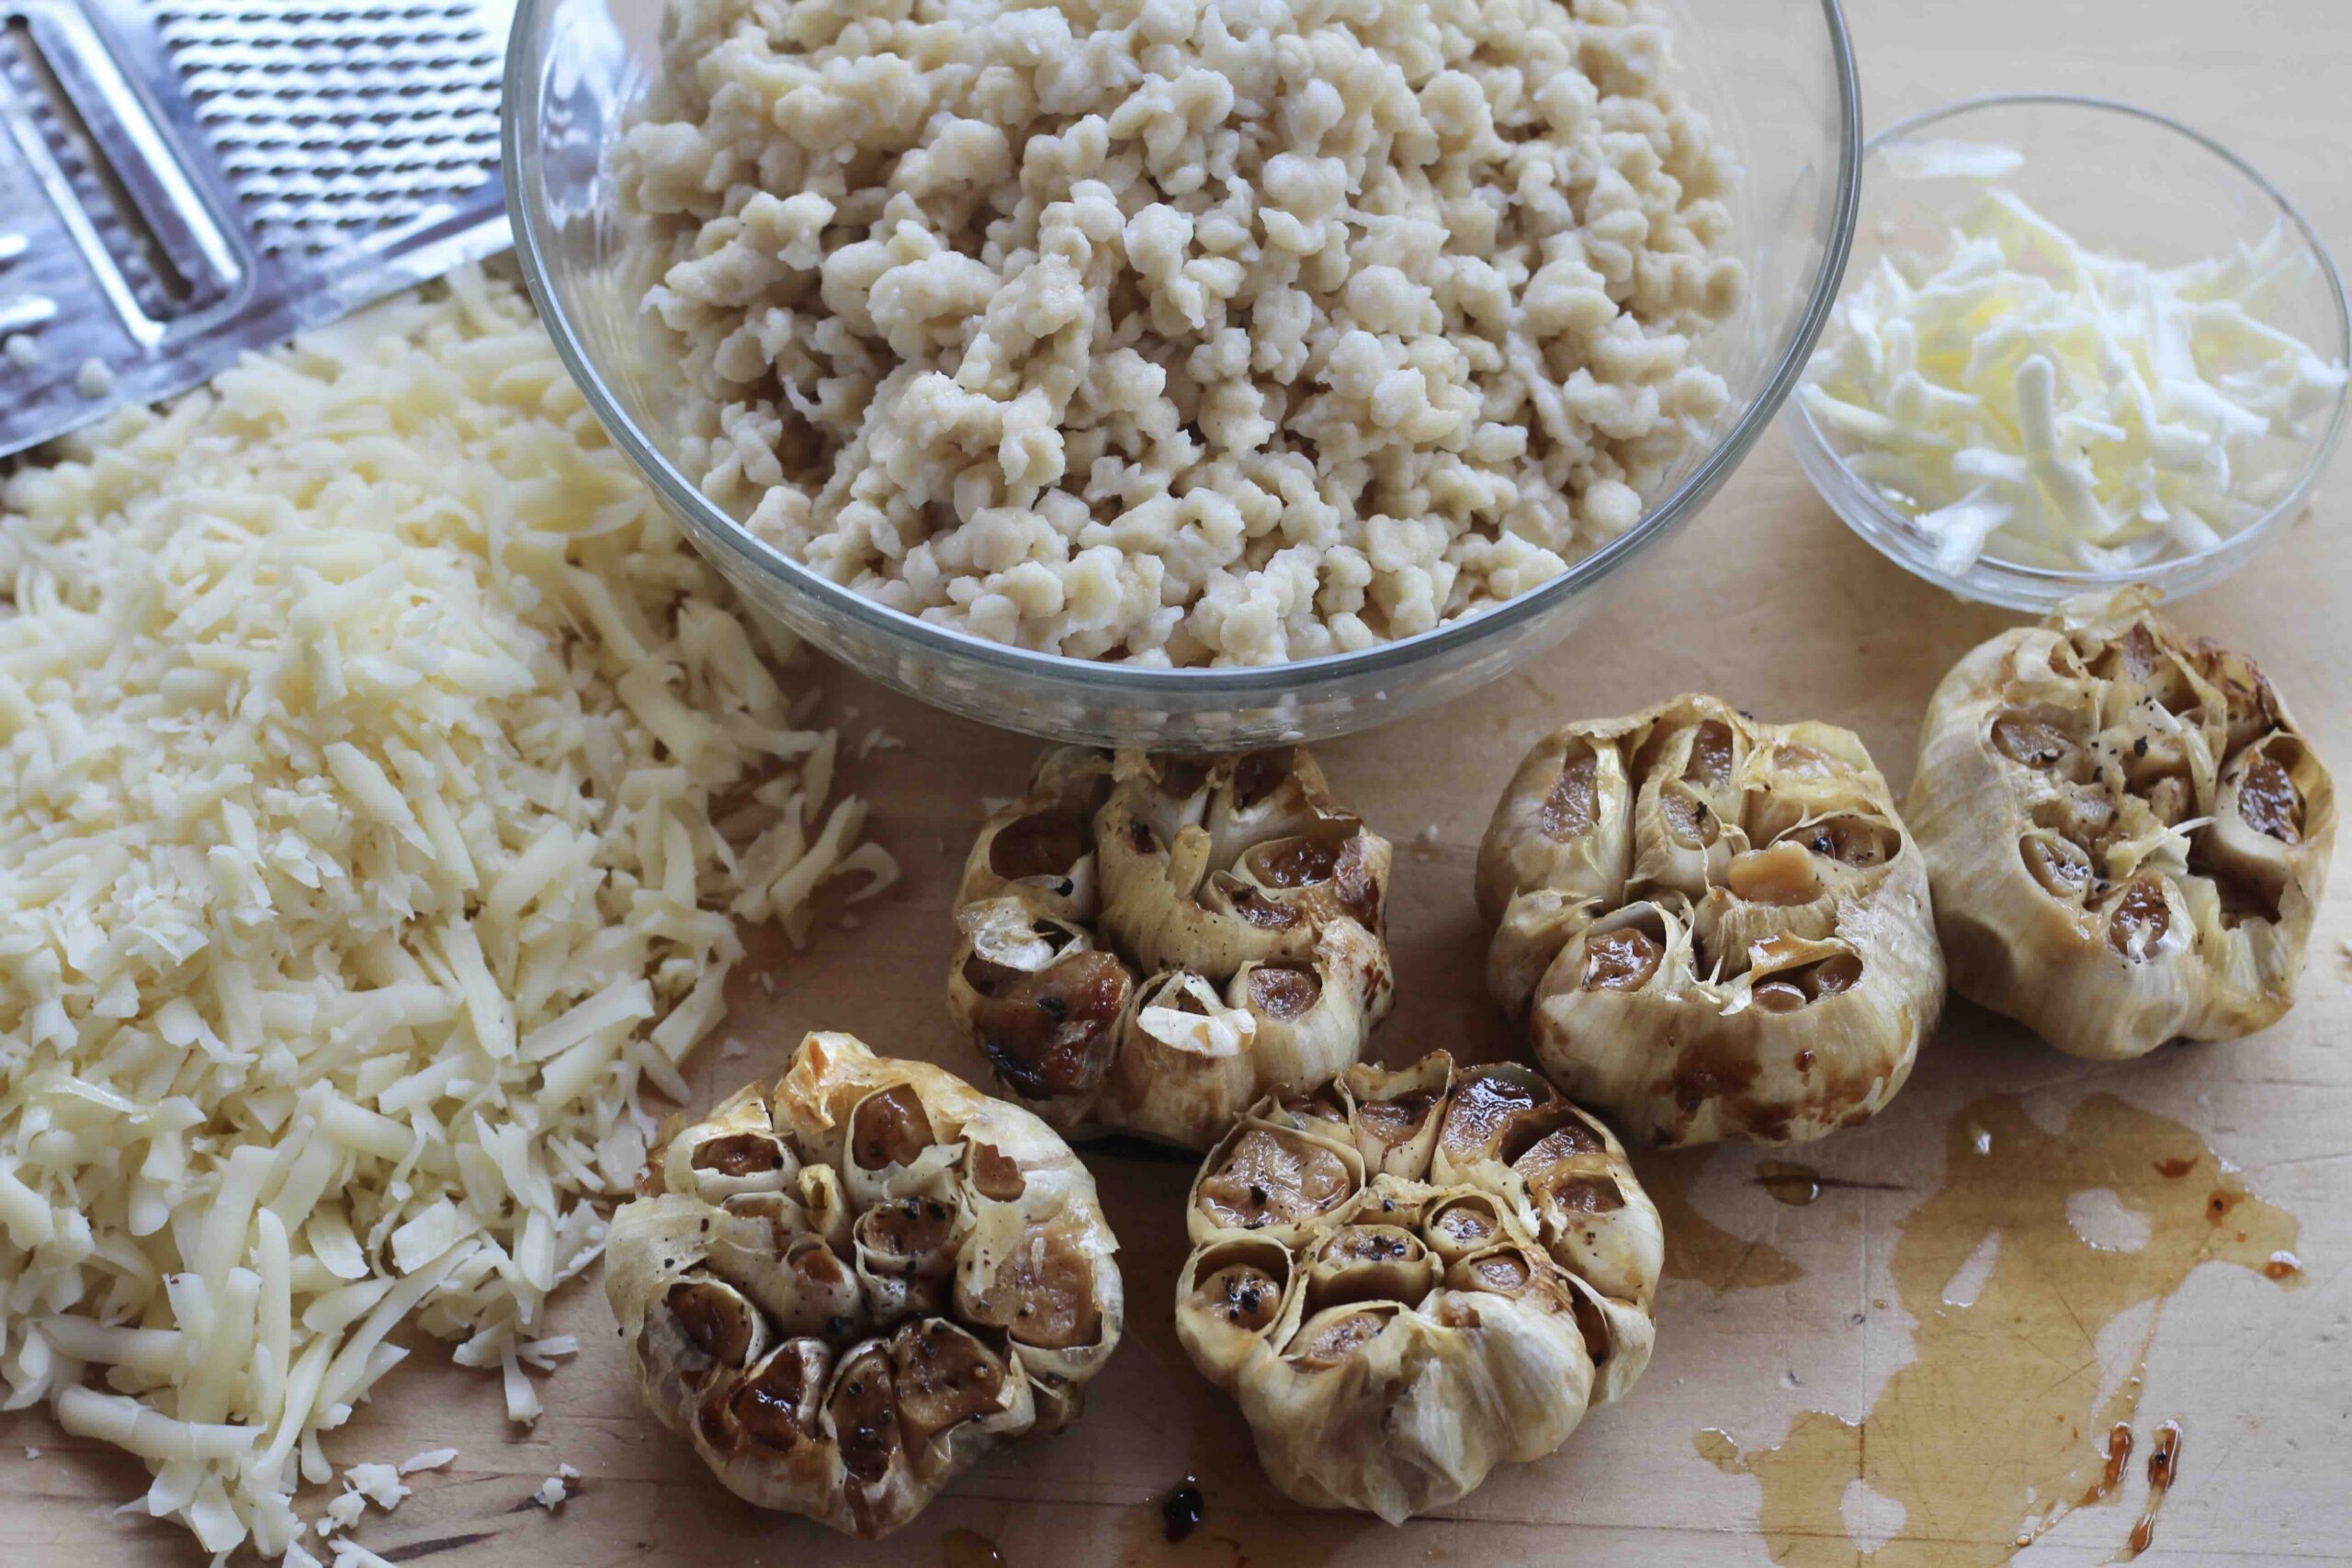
[[157, 204]]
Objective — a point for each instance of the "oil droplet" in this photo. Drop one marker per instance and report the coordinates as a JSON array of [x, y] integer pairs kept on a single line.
[[2118, 1455], [2164, 1468], [1697, 1249], [2176, 1168], [2283, 1267], [1795, 1185], [1181, 1509], [969, 1548], [1998, 1420]]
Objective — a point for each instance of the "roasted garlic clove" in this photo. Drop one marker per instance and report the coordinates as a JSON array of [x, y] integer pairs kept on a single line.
[[1392, 1116], [775, 1405], [891, 1149], [1685, 832], [937, 1280], [1272, 1178], [1535, 926], [2128, 835], [1240, 877], [735, 1150], [1309, 1021], [1366, 1262], [1391, 1336], [1676, 1002], [905, 1249], [1035, 1275], [1042, 1002], [1039, 850], [1238, 885], [1565, 824], [1186, 1064], [1230, 1296], [1335, 872]]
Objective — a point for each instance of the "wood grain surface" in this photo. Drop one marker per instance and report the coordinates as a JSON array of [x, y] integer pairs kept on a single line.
[[1768, 1311]]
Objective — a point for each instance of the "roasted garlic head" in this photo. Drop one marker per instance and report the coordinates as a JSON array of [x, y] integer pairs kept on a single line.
[[1406, 1278], [1711, 927], [2127, 834], [1150, 943], [847, 1288]]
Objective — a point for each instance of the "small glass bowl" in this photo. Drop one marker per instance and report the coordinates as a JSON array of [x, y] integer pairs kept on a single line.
[[2118, 179], [1775, 77]]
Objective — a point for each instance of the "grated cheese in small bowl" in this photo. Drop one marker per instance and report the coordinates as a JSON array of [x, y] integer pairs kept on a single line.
[[2020, 414]]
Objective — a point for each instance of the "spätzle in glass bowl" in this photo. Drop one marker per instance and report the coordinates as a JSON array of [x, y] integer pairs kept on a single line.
[[1192, 374]]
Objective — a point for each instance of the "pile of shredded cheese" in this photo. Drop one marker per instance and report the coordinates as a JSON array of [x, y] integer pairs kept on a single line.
[[362, 725], [2053, 407]]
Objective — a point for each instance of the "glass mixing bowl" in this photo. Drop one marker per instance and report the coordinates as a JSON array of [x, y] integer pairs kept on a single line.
[[1775, 77], [2084, 165]]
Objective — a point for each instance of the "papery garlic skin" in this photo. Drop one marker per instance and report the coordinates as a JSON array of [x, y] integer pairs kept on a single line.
[[1711, 927], [847, 1366], [1406, 1278], [2128, 835], [1151, 943]]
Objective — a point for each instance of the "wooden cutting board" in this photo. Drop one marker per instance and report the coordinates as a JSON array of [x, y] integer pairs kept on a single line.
[[1937, 1288]]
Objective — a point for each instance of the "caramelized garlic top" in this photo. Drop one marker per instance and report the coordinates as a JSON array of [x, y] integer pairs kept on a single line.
[[2128, 835], [1150, 943], [1711, 927], [847, 1288], [1406, 1278]]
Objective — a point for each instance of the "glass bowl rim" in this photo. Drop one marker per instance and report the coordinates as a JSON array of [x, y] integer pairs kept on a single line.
[[1140, 684], [1891, 531]]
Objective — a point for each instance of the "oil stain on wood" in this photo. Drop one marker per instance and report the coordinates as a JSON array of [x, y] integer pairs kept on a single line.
[[1998, 1427], [1697, 1249]]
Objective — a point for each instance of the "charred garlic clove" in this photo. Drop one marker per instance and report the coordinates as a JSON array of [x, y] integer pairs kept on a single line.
[[1440, 1280], [1248, 901], [1042, 1002], [2128, 835], [1668, 998], [921, 1274]]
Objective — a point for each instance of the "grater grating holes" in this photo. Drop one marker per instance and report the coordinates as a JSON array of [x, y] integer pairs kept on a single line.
[[337, 122]]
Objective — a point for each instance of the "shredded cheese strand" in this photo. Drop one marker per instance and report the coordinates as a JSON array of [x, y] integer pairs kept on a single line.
[[361, 723], [2025, 398]]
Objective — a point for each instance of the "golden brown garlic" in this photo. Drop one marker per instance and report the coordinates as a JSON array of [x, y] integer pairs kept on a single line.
[[847, 1288], [1408, 1277], [1150, 943], [1710, 925], [2127, 834]]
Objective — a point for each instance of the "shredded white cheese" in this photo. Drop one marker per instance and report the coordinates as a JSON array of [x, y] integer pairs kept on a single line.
[[361, 721], [2023, 397]]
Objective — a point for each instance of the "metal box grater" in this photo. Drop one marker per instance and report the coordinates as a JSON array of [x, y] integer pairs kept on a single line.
[[183, 180]]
